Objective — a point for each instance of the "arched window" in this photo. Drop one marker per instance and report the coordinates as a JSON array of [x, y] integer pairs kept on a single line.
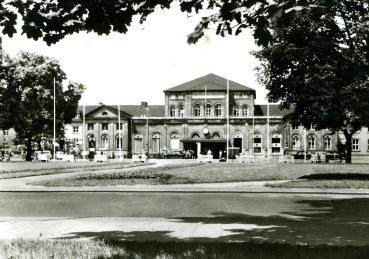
[[236, 111], [119, 142], [174, 142], [180, 111], [216, 135], [172, 111], [104, 142], [311, 142], [218, 110], [195, 136], [197, 110], [327, 141], [244, 111], [138, 144], [208, 110], [156, 143], [295, 142]]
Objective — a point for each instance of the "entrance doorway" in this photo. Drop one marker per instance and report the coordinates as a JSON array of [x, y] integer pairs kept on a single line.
[[237, 143], [190, 146], [215, 148]]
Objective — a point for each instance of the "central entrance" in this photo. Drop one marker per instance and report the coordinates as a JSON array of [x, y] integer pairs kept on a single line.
[[214, 145]]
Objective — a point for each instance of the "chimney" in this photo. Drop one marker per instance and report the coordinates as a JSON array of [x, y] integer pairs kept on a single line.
[[143, 104]]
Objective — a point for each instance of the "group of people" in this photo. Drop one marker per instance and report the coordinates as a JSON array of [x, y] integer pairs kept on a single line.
[[5, 155], [190, 154]]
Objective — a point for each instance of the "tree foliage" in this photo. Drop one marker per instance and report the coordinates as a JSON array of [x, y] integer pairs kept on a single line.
[[26, 97]]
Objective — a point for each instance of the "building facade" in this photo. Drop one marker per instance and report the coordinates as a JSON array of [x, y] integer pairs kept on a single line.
[[194, 117]]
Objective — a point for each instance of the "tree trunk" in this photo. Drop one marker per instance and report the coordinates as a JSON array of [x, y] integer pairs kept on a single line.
[[348, 137], [29, 148]]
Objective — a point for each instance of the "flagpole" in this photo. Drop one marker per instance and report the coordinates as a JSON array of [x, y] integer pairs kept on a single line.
[[54, 123], [205, 101], [268, 131], [253, 133], [119, 135], [304, 145], [227, 120], [83, 131]]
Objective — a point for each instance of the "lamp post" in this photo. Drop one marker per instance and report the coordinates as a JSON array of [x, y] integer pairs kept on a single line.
[[147, 130]]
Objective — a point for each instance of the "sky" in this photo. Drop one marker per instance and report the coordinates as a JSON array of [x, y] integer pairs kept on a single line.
[[139, 65]]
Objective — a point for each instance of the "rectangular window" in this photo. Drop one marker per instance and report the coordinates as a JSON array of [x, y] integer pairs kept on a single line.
[[327, 143], [90, 126], [75, 129], [311, 142], [257, 140], [104, 126], [6, 132], [117, 126], [355, 144], [276, 141], [207, 111]]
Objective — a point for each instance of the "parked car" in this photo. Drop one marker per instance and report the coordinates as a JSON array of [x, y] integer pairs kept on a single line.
[[301, 155]]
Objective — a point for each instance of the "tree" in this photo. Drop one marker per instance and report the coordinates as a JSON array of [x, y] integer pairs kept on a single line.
[[318, 61], [26, 97]]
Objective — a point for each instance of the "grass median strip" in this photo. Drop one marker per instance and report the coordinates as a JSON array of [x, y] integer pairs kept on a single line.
[[206, 173], [66, 168]]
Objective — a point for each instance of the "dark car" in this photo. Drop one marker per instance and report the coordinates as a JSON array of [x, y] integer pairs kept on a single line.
[[301, 155]]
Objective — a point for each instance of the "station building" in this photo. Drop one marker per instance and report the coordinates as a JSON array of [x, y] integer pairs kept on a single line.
[[194, 117]]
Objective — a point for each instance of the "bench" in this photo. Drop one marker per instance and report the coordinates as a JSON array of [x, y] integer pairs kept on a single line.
[[139, 158], [101, 158], [42, 158], [205, 158], [286, 159]]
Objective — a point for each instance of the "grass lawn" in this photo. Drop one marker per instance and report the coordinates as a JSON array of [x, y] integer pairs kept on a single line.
[[208, 173], [60, 249], [25, 169]]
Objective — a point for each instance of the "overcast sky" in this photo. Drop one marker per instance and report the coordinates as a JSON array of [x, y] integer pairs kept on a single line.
[[138, 66]]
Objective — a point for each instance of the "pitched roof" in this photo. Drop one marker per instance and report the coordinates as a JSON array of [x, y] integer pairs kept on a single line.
[[213, 83], [133, 110], [274, 110]]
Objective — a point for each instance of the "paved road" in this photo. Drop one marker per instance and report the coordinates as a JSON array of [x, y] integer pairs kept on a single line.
[[313, 219]]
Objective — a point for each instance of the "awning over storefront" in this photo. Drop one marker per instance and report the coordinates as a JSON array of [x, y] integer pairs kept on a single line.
[[204, 140]]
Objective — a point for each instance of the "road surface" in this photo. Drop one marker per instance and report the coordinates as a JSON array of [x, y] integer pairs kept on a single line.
[[290, 218]]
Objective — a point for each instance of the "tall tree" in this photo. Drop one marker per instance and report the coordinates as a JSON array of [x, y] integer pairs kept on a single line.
[[26, 97]]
